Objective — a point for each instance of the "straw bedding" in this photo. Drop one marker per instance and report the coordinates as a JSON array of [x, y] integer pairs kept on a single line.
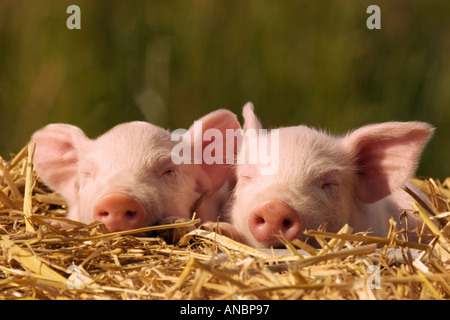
[[41, 261]]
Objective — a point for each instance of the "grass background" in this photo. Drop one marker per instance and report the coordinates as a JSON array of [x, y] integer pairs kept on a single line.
[[170, 62]]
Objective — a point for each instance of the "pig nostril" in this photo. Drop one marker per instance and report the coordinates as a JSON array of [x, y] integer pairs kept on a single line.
[[287, 223], [131, 214], [260, 221], [103, 214]]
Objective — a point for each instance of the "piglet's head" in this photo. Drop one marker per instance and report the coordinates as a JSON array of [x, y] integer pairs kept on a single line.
[[126, 177], [321, 179]]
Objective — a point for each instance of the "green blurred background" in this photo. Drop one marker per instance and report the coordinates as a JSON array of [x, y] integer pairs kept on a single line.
[[170, 62]]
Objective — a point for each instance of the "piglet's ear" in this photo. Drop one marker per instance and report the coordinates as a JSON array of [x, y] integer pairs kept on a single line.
[[252, 127], [387, 155], [57, 154], [250, 119], [217, 147]]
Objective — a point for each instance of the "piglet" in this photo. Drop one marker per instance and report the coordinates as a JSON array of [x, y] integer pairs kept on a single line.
[[316, 179], [127, 179]]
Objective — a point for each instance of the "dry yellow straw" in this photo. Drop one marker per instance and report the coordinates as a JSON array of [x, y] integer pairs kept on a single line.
[[204, 264], [27, 203], [32, 263]]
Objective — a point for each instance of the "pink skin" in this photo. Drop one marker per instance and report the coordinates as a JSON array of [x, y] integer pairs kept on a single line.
[[326, 180], [126, 177]]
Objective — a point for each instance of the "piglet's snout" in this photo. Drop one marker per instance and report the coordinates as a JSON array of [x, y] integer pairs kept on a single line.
[[119, 211], [270, 217]]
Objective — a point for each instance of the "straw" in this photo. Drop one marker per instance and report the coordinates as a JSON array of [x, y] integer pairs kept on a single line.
[[44, 255]]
